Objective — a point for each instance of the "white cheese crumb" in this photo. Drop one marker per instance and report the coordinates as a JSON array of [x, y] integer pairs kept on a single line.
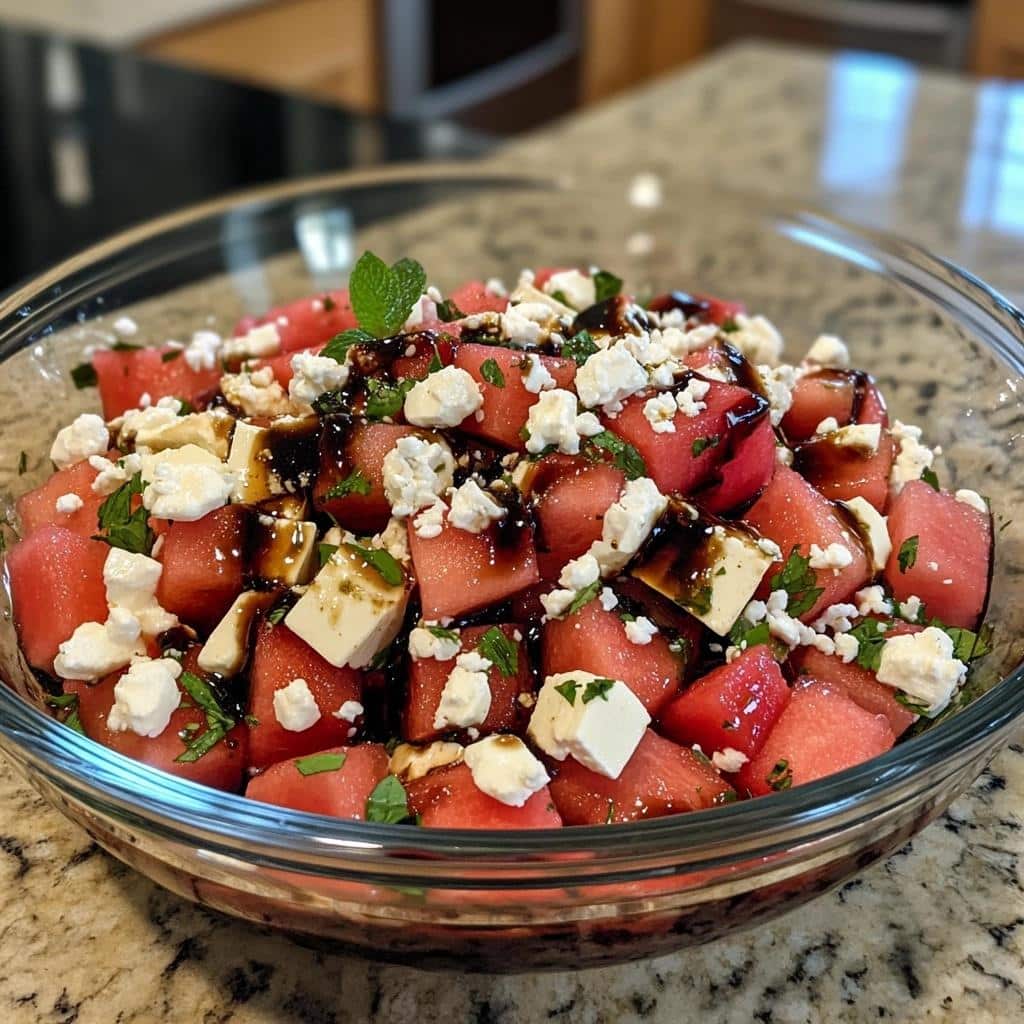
[[87, 435], [295, 708], [424, 644], [504, 768], [466, 697], [535, 375], [609, 377], [835, 557], [608, 599], [203, 351], [443, 399], [829, 353], [837, 617], [974, 499], [577, 288], [472, 508], [913, 457], [580, 572], [68, 504], [640, 630], [263, 340], [125, 326], [757, 339], [145, 697], [430, 522], [922, 666], [729, 759], [865, 437], [627, 524], [111, 475], [185, 483], [415, 473], [778, 383], [552, 420], [847, 647], [829, 425], [872, 601], [690, 398], [873, 527], [911, 608], [313, 375], [349, 711], [257, 393], [131, 580], [660, 412], [96, 649]]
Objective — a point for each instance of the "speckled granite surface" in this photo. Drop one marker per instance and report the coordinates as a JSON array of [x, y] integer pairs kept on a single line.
[[936, 933]]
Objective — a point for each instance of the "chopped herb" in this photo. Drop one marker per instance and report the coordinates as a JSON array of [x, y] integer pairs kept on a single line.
[[869, 644], [64, 700], [491, 372], [729, 326], [680, 647], [699, 603], [316, 764], [382, 297], [252, 721], [326, 552], [560, 296], [331, 402], [447, 311], [611, 812], [74, 722], [337, 348], [726, 797], [568, 690], [382, 562], [201, 745], [124, 346], [329, 304], [384, 399], [701, 756], [388, 804], [584, 597], [967, 645], [445, 634], [354, 483], [84, 376], [218, 723], [781, 776], [597, 688], [276, 615], [912, 705], [126, 528], [797, 578], [744, 634], [170, 355], [624, 456], [701, 444], [22, 463], [580, 347], [627, 617], [930, 477], [606, 285], [908, 554], [499, 651], [185, 407], [721, 571], [435, 363]]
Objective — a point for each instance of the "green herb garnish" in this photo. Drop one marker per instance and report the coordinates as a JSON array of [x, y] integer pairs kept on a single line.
[[316, 764], [729, 326], [447, 311], [908, 554], [744, 634], [797, 578], [384, 399], [930, 477], [388, 804], [337, 348], [606, 285], [218, 722], [325, 552], [568, 690], [870, 641], [698, 603], [491, 372], [84, 376], [624, 456], [126, 528], [382, 297], [781, 776], [170, 355], [499, 651], [702, 444], [597, 688], [580, 347], [276, 615], [967, 645], [584, 597], [382, 562], [354, 483], [445, 634]]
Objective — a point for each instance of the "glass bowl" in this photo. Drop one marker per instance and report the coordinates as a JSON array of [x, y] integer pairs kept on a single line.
[[947, 352]]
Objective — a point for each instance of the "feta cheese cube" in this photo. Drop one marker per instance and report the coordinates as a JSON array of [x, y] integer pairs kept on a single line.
[[425, 644], [415, 472], [504, 768], [974, 499], [608, 377], [131, 580], [873, 528], [248, 460], [207, 430], [227, 646], [577, 288], [757, 339], [284, 551], [828, 353], [68, 504], [185, 483], [96, 649], [627, 524], [922, 666], [295, 707], [313, 375], [443, 399], [145, 697], [472, 508], [599, 725]]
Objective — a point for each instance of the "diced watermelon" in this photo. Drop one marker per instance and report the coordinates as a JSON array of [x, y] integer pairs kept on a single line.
[[688, 305], [38, 507], [56, 585], [427, 678], [459, 572], [124, 376], [506, 408], [793, 514], [474, 297], [661, 778], [306, 322], [432, 341], [872, 407], [448, 798], [666, 615], [951, 567], [855, 682], [816, 397], [594, 640], [747, 470], [721, 310], [203, 566], [570, 496], [220, 767], [670, 458], [734, 705], [821, 732], [340, 793], [346, 448], [844, 472], [279, 657]]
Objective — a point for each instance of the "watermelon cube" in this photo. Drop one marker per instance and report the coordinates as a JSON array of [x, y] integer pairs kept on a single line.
[[748, 468], [306, 322], [475, 297], [38, 507], [816, 397], [841, 472], [124, 376]]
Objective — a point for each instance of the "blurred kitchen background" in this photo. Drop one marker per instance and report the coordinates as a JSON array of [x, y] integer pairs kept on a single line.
[[112, 111]]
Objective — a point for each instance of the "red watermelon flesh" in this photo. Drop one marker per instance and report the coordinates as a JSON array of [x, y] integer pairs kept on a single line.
[[56, 585], [821, 732], [432, 341], [793, 514], [950, 571], [844, 472], [474, 297], [282, 364], [720, 310], [816, 397], [308, 321], [506, 408], [661, 778], [279, 657], [427, 678], [340, 793], [872, 407], [594, 640], [124, 376], [735, 705], [748, 469], [855, 682], [448, 798], [37, 508], [459, 572]]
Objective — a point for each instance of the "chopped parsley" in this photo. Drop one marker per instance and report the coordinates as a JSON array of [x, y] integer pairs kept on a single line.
[[584, 597], [606, 285], [385, 400], [491, 372], [624, 456], [797, 578], [84, 376], [170, 355], [560, 296], [930, 477], [597, 688], [781, 776], [381, 561], [744, 634], [276, 614], [702, 444], [218, 723], [580, 347], [568, 690], [908, 553], [967, 645], [127, 528], [316, 764], [447, 311], [699, 603], [870, 640], [444, 634], [354, 483], [499, 651], [729, 326], [388, 804], [382, 297]]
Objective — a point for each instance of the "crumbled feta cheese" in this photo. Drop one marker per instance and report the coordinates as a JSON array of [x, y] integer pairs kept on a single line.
[[394, 539], [824, 643], [922, 666], [640, 630], [681, 343], [933, 566], [257, 393], [729, 759], [974, 499], [660, 411], [96, 649], [577, 288], [466, 697], [472, 508], [835, 557], [504, 768], [148, 418], [769, 547], [865, 437], [313, 375], [846, 646], [87, 435], [185, 483], [349, 711], [873, 528], [496, 286], [627, 524], [755, 612], [781, 625], [131, 580], [778, 383], [783, 455], [601, 732], [415, 473], [757, 339], [913, 457], [690, 398], [443, 399], [837, 617], [580, 572], [608, 599], [424, 644], [552, 420], [608, 377], [829, 425], [556, 603], [145, 697], [872, 601], [911, 608], [68, 504], [535, 375], [410, 761], [263, 340], [125, 326], [111, 475], [295, 707], [203, 351], [828, 353], [430, 522]]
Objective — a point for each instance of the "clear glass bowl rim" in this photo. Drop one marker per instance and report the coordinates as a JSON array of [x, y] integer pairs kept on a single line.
[[230, 825]]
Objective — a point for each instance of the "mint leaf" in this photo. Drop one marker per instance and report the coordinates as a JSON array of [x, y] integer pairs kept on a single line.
[[382, 297], [126, 528], [315, 764], [325, 552], [409, 279], [781, 776], [499, 651], [568, 690], [606, 285], [869, 643], [447, 311], [385, 400], [624, 455], [491, 372], [597, 688], [170, 355], [388, 804], [218, 723], [445, 634], [580, 347], [744, 634], [584, 596], [908, 554], [797, 578], [701, 444], [967, 645], [337, 348], [382, 562], [354, 483], [930, 477]]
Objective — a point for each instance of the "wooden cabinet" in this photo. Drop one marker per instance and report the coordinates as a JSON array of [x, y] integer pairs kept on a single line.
[[998, 47]]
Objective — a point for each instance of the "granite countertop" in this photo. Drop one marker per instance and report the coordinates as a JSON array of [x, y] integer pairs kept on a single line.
[[935, 933]]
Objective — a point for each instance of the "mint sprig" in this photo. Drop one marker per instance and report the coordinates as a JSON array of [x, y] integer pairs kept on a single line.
[[382, 297]]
